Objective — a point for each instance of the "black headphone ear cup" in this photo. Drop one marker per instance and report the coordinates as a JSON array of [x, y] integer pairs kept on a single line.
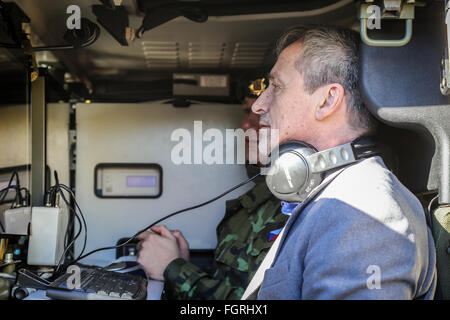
[[289, 177]]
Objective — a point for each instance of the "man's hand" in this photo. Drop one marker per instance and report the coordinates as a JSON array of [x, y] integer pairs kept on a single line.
[[160, 247], [182, 244]]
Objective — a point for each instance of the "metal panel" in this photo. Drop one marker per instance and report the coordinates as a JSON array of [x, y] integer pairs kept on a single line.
[[38, 141], [141, 133]]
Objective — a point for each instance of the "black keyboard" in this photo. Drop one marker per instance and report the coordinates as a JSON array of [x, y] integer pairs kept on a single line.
[[99, 284]]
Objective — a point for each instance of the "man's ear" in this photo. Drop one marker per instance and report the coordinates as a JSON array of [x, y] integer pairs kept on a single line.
[[333, 97]]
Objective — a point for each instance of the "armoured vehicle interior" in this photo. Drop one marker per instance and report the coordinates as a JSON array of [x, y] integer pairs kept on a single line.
[[94, 89]]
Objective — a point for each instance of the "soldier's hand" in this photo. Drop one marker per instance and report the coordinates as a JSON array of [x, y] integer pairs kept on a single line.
[[156, 250], [182, 244]]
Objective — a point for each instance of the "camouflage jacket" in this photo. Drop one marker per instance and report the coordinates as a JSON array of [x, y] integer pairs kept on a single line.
[[243, 240]]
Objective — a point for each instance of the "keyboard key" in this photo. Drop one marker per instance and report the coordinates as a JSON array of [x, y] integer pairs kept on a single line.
[[114, 294], [108, 284], [102, 293], [126, 296]]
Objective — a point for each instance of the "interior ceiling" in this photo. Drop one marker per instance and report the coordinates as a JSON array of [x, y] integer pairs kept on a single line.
[[222, 43]]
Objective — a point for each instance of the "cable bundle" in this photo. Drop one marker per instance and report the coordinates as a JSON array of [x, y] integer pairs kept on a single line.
[[53, 201], [19, 199], [168, 216]]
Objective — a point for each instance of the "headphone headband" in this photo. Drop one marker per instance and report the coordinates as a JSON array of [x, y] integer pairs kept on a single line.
[[332, 158], [299, 167]]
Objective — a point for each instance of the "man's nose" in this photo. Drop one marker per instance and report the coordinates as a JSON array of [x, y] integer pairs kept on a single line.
[[261, 106]]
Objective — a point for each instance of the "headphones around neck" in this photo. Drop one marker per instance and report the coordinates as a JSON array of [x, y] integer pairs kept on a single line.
[[299, 167]]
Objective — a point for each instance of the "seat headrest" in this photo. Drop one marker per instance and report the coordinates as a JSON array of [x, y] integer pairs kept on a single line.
[[401, 87]]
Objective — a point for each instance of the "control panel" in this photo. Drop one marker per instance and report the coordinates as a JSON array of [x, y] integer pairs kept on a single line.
[[128, 180]]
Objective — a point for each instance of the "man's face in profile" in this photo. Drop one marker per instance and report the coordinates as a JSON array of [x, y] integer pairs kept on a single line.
[[285, 105]]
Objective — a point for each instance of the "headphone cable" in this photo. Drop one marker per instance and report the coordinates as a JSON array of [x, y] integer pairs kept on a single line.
[[168, 216]]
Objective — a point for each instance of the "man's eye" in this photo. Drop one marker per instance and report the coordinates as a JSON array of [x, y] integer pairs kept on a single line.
[[275, 86]]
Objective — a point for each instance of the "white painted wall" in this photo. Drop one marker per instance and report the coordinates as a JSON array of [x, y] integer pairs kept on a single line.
[[141, 133], [15, 138], [58, 115], [14, 145]]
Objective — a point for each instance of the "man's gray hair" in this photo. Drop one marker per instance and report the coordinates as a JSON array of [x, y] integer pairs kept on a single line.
[[330, 55]]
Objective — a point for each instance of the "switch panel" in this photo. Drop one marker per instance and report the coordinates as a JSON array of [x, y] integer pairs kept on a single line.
[[128, 180]]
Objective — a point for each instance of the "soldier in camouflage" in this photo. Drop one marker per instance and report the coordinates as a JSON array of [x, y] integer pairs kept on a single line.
[[243, 239], [244, 236]]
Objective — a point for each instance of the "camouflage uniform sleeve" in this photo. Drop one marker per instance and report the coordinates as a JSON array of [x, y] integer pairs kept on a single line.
[[184, 281]]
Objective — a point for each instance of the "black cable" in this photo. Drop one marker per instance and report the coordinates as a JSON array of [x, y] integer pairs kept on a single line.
[[51, 190], [71, 228], [81, 214], [9, 185], [166, 217], [70, 216], [70, 223], [58, 188], [5, 191], [18, 197], [18, 200], [51, 200], [74, 239], [88, 42]]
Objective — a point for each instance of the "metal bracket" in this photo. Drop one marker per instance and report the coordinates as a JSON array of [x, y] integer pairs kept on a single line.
[[28, 50], [394, 9], [445, 74]]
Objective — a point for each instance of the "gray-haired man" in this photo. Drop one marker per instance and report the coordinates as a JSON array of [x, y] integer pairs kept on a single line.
[[365, 235]]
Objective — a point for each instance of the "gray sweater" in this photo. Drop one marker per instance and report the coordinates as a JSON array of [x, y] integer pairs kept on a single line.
[[364, 236]]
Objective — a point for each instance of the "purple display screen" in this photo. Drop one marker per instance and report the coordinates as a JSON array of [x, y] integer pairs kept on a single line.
[[141, 181]]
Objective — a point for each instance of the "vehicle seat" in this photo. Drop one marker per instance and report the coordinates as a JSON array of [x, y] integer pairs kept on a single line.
[[401, 88]]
